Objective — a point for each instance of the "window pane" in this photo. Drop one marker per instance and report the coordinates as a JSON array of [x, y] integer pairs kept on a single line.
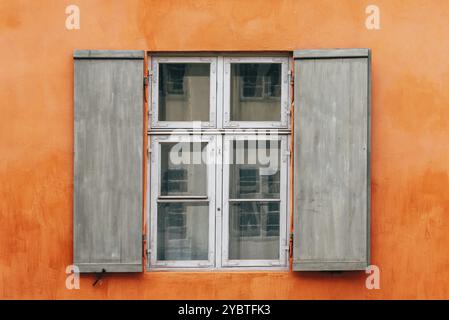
[[182, 231], [254, 230], [254, 170], [184, 91], [255, 92], [183, 172]]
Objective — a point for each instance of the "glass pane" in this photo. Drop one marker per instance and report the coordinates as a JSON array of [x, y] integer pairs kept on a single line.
[[184, 91], [182, 231], [255, 92], [255, 169], [183, 172], [254, 230]]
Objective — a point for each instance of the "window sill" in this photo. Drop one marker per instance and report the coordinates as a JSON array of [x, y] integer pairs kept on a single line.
[[222, 270]]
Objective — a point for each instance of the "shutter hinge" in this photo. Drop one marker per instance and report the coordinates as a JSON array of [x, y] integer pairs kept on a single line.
[[291, 77], [148, 151], [146, 79], [290, 246], [144, 244]]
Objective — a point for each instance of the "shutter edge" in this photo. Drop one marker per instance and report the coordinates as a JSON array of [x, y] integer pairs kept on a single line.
[[109, 267], [108, 54], [329, 265], [331, 53]]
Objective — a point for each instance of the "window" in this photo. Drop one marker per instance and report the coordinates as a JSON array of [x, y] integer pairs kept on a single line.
[[183, 90], [218, 164], [183, 201], [219, 133], [256, 92], [254, 221]]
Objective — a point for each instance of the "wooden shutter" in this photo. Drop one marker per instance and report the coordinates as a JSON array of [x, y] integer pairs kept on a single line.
[[108, 164], [332, 160]]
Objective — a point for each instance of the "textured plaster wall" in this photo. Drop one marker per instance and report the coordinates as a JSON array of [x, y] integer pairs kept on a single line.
[[410, 129]]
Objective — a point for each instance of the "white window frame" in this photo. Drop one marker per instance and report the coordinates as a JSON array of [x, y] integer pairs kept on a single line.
[[285, 87], [154, 105], [217, 131], [155, 185], [283, 232]]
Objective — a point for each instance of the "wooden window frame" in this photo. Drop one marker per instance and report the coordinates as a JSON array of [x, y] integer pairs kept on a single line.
[[164, 131]]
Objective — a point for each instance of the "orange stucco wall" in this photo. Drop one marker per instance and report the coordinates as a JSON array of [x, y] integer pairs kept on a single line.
[[410, 136]]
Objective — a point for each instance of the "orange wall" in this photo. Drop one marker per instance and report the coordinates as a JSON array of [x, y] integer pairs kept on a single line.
[[410, 129]]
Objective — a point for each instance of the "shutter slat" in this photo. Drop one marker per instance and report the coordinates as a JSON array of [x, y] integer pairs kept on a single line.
[[332, 171], [108, 160]]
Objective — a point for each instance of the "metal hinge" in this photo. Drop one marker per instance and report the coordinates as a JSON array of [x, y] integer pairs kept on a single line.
[[291, 77], [290, 246], [146, 79], [144, 240], [148, 151]]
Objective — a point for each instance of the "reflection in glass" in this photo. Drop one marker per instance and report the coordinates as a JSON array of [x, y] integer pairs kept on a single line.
[[255, 92], [254, 230], [183, 173], [182, 231], [184, 91], [255, 170]]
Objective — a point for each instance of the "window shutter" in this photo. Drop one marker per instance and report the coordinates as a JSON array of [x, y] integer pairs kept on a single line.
[[108, 160], [332, 160]]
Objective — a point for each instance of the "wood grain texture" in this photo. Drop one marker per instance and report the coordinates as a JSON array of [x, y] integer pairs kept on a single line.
[[331, 163], [108, 140]]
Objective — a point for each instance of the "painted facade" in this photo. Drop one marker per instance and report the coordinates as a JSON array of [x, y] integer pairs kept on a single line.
[[410, 134]]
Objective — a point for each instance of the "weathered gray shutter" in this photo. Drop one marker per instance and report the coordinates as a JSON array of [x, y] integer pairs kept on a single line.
[[108, 138], [332, 160]]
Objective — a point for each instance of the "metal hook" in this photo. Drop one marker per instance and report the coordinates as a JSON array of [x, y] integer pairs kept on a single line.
[[99, 277]]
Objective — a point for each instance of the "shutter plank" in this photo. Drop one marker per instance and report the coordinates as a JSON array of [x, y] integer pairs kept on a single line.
[[332, 160], [108, 161]]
